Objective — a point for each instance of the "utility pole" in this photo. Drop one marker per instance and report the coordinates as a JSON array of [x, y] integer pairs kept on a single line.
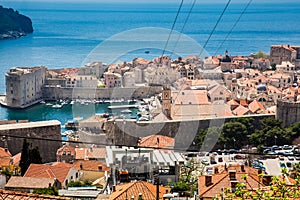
[[157, 187]]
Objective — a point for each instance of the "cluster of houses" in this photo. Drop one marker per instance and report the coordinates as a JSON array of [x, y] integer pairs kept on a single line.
[[105, 168]]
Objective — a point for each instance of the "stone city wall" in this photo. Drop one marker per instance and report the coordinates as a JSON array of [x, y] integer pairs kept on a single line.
[[184, 132], [56, 93], [48, 130], [288, 112]]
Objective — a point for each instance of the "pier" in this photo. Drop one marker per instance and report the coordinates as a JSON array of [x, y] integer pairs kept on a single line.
[[122, 106]]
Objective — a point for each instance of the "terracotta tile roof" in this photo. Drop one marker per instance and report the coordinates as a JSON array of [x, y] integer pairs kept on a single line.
[[240, 110], [4, 152], [29, 182], [90, 165], [233, 102], [148, 191], [157, 141], [90, 153], [16, 159], [222, 180], [256, 106], [243, 102], [10, 195], [194, 97], [58, 171], [66, 149], [5, 157], [273, 89]]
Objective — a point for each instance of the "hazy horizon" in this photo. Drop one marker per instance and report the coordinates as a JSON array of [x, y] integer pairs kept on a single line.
[[151, 1]]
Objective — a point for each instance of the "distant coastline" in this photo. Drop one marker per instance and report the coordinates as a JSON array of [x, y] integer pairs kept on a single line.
[[13, 24]]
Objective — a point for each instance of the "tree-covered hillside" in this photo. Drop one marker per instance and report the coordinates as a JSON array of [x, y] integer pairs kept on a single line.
[[13, 24]]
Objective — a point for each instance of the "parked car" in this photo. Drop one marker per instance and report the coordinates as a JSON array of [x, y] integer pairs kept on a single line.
[[291, 158], [287, 147], [281, 158], [239, 156]]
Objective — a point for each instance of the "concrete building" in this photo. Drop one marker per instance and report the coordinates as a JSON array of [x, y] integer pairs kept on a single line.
[[112, 80], [155, 75], [279, 53], [86, 81], [95, 68], [24, 86], [129, 79]]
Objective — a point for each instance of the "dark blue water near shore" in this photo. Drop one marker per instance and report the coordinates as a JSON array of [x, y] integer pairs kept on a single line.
[[65, 34]]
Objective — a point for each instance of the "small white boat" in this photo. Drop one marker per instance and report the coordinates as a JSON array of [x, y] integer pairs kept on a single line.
[[126, 111], [56, 106], [43, 102], [48, 104], [72, 102]]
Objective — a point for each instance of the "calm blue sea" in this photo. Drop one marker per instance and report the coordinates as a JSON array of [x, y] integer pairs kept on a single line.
[[65, 34]]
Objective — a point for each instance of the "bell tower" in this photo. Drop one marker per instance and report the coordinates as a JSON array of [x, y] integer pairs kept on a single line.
[[166, 99]]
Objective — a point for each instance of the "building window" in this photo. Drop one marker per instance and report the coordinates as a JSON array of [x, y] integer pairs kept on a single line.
[[11, 91]]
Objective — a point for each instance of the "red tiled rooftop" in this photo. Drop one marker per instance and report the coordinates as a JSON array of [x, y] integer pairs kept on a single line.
[[240, 110], [157, 141], [58, 170], [255, 106], [90, 165], [90, 153], [148, 191], [66, 149]]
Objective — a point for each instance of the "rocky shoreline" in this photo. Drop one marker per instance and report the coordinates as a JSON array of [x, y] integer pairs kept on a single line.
[[12, 35]]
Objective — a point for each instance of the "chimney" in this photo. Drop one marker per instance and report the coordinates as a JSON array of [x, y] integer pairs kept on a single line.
[[242, 168], [233, 185], [267, 179], [100, 167], [216, 170], [113, 188], [208, 180], [259, 171], [232, 175]]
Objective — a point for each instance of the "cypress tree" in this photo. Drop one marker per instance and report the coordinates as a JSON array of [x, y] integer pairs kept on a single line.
[[29, 155], [24, 162]]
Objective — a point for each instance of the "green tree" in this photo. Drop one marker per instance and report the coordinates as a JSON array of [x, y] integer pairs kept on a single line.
[[34, 155], [247, 121], [79, 183], [24, 162], [28, 156], [209, 135], [260, 54], [7, 173], [233, 132], [75, 184], [46, 191], [278, 189]]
